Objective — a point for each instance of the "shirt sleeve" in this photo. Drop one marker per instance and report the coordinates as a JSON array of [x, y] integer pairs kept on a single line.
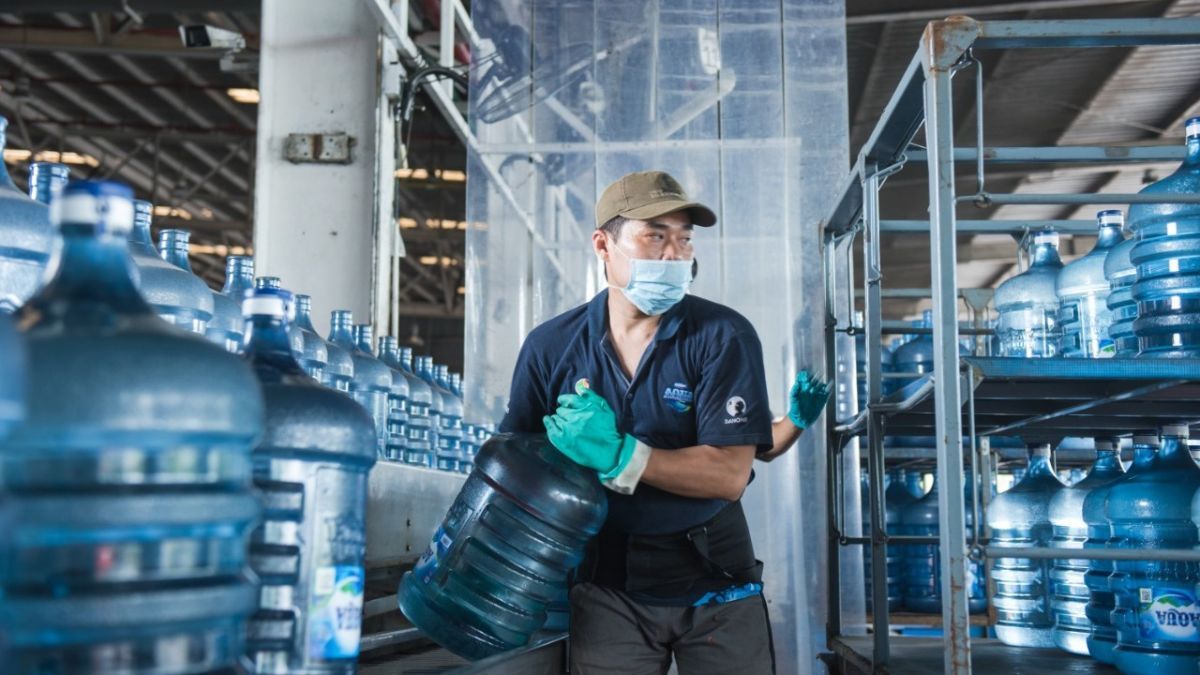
[[527, 398], [732, 407]]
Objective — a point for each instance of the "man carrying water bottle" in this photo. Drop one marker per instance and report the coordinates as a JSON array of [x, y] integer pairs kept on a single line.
[[664, 395]]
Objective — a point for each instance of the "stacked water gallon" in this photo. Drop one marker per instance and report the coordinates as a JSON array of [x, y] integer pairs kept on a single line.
[[127, 493], [922, 569], [897, 496], [1028, 327]]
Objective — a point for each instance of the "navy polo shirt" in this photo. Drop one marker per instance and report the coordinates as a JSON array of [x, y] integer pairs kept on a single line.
[[700, 382]]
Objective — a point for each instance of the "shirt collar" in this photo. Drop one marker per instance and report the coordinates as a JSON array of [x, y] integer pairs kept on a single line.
[[668, 327]]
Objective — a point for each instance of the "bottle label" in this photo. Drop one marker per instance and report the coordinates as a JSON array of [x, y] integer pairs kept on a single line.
[[1169, 614], [335, 612], [438, 548], [1107, 347]]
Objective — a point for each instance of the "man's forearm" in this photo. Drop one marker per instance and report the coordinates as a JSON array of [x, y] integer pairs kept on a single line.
[[701, 471], [784, 434]]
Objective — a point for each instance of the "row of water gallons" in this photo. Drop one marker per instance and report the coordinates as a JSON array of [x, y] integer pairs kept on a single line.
[[169, 506], [1135, 297]]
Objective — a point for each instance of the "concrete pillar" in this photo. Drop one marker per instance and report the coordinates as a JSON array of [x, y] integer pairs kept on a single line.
[[314, 224]]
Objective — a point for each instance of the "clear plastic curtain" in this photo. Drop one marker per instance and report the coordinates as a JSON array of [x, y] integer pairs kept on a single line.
[[744, 101]]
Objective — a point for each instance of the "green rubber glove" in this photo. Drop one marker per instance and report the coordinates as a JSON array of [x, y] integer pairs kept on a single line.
[[807, 399], [584, 428]]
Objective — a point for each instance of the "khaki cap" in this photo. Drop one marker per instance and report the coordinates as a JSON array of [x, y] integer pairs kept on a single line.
[[645, 195]]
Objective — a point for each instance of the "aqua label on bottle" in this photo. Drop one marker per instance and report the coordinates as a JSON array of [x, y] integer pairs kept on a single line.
[[335, 612], [1169, 614]]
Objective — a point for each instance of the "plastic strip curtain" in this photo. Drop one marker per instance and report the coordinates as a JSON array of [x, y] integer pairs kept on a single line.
[[745, 102]]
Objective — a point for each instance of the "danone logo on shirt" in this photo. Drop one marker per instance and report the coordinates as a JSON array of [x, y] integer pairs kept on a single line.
[[736, 407], [679, 397]]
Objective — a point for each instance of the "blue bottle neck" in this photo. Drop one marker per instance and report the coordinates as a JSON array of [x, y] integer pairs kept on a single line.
[[1041, 463], [5, 179], [341, 325], [364, 340], [1045, 255], [1192, 159], [268, 348], [406, 361], [140, 237], [1144, 455], [1107, 461], [1108, 236], [388, 351], [90, 269], [1174, 453], [174, 249], [239, 278], [46, 180], [304, 316]]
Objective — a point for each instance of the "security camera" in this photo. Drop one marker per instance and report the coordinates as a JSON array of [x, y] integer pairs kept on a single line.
[[200, 36]]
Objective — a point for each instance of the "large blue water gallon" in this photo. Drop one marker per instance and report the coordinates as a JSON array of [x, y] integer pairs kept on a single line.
[[1157, 613], [126, 492], [177, 295], [1069, 591], [173, 247], [1083, 294], [423, 367], [1019, 518], [311, 468], [505, 549], [372, 379], [419, 448], [1120, 273], [450, 432], [397, 442], [26, 238], [226, 326], [310, 349], [892, 508], [1167, 259], [922, 567], [1103, 637], [1027, 304]]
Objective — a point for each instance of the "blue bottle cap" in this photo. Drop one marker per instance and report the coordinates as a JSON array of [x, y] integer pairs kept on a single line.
[[1191, 128], [106, 205], [1110, 217], [272, 302]]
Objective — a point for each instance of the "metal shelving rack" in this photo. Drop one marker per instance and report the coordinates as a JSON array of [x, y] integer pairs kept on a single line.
[[1043, 399]]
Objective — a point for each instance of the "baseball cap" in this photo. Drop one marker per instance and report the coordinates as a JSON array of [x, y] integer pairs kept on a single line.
[[645, 195]]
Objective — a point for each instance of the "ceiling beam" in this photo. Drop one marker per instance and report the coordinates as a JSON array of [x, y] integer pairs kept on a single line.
[[142, 7], [83, 41], [975, 10]]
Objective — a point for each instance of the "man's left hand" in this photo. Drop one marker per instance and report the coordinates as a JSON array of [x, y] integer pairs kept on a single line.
[[807, 399]]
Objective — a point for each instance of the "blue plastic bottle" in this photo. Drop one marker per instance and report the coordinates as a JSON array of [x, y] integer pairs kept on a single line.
[[173, 248], [502, 555], [921, 562], [450, 432], [372, 379], [1027, 304], [26, 238], [1083, 294], [423, 366], [268, 282], [1020, 517], [1167, 258], [397, 439], [1157, 610], [420, 450], [912, 483], [311, 350], [311, 467], [1069, 588], [896, 497], [178, 296], [226, 326], [1103, 637], [1120, 273], [127, 489]]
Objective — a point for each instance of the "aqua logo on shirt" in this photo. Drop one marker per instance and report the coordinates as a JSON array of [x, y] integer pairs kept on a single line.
[[679, 397]]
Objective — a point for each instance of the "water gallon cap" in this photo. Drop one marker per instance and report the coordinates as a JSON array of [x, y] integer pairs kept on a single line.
[[47, 179], [1040, 450], [1146, 439], [142, 212], [267, 282], [107, 205], [1180, 430], [273, 302], [1103, 444], [1110, 217], [1046, 236], [1192, 128]]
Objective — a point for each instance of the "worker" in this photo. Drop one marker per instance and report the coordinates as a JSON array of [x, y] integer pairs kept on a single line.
[[663, 394]]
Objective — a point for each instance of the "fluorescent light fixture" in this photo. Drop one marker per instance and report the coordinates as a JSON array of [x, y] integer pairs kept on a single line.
[[163, 211], [16, 155], [433, 260], [219, 250], [243, 94], [447, 175]]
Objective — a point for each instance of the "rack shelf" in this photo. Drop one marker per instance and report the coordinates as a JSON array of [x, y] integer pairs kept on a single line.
[[923, 655]]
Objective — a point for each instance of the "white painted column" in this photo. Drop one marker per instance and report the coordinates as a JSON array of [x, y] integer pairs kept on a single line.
[[314, 224]]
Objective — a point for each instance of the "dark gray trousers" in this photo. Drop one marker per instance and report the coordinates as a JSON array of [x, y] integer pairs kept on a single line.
[[610, 633]]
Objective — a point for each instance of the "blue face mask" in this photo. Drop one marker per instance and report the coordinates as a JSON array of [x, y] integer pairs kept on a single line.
[[656, 285]]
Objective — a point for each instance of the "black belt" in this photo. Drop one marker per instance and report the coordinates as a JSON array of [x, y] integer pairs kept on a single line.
[[711, 556]]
